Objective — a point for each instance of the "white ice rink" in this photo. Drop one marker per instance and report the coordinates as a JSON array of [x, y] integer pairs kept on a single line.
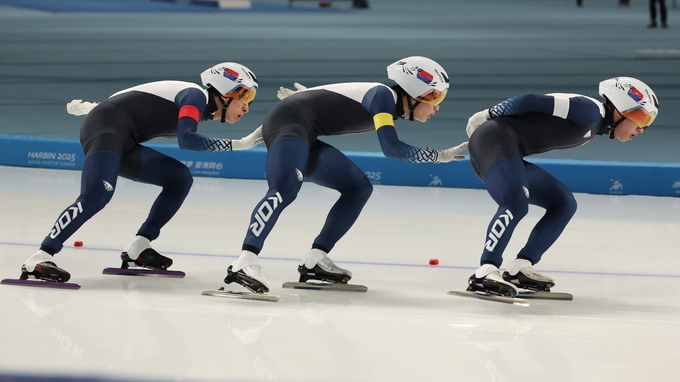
[[620, 257]]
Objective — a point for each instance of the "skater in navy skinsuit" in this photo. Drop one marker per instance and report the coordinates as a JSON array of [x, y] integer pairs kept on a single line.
[[291, 131], [111, 136], [500, 138]]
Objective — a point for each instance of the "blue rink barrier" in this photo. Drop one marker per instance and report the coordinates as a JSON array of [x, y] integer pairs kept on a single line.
[[594, 177]]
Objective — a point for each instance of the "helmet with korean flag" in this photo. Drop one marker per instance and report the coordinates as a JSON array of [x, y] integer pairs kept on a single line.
[[231, 80], [632, 98], [421, 78]]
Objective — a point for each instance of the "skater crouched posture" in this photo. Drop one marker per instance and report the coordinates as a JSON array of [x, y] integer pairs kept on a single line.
[[111, 135], [500, 137], [290, 131]]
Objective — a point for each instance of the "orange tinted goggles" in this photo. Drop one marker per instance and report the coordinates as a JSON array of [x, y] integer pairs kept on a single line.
[[641, 117], [244, 95], [433, 97]]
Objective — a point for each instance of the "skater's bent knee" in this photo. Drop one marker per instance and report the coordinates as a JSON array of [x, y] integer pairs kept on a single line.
[[364, 189], [94, 202], [570, 205], [519, 209], [184, 179]]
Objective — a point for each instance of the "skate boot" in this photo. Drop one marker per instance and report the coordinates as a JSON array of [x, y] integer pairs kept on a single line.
[[488, 279], [140, 254], [149, 259], [245, 271], [522, 274], [41, 267], [317, 266]]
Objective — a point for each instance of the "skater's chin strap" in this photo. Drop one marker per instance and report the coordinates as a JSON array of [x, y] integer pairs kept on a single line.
[[401, 93], [225, 103], [612, 126], [609, 116], [411, 107]]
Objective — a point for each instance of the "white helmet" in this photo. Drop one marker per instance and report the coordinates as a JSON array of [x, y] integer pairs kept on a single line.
[[632, 98], [421, 78], [231, 80]]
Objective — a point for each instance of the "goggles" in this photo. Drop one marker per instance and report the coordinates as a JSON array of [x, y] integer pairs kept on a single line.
[[641, 117], [245, 95], [432, 97]]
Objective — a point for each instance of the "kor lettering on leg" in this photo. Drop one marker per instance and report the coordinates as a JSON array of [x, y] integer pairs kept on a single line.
[[264, 212], [65, 219], [497, 229]]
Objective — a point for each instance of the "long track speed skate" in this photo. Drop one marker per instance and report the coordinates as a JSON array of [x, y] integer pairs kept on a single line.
[[490, 297], [257, 289], [47, 274], [491, 287], [325, 275], [221, 292], [149, 263], [315, 285], [534, 285]]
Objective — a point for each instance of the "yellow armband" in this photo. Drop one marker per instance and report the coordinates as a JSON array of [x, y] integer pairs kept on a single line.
[[383, 119]]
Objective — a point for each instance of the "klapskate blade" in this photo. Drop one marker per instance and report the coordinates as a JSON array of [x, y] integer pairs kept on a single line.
[[320, 286], [546, 295], [240, 295], [490, 297], [142, 272], [41, 283]]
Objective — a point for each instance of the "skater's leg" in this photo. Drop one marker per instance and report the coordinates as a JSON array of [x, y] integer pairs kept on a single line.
[[330, 168], [497, 161], [146, 165], [98, 181], [560, 206], [507, 183], [286, 162], [103, 135]]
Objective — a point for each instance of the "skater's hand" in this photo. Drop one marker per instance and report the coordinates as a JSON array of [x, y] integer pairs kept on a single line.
[[78, 107], [284, 92], [476, 120], [252, 140], [451, 154]]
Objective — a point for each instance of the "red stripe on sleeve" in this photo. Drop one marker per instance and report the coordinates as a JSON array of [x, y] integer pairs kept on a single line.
[[189, 111]]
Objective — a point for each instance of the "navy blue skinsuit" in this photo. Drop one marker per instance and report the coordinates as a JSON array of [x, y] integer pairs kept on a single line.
[[291, 130], [111, 135], [519, 127]]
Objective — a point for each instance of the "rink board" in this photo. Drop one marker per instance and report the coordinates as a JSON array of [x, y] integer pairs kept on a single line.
[[594, 177]]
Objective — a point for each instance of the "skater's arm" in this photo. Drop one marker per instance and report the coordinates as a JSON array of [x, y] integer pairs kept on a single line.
[[583, 111], [393, 148], [191, 103], [579, 109], [380, 102]]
